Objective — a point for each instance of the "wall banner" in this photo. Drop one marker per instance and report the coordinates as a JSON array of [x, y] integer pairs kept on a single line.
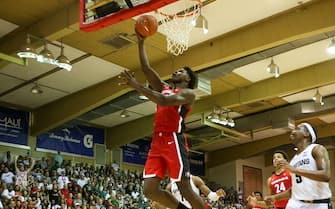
[[78, 140], [14, 126], [136, 152]]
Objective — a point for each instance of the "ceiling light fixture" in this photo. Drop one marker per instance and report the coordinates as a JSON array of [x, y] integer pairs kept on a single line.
[[221, 116], [201, 22], [273, 68], [36, 89], [28, 51], [62, 61], [124, 114], [223, 120], [45, 56], [231, 121], [318, 98], [331, 47], [215, 115]]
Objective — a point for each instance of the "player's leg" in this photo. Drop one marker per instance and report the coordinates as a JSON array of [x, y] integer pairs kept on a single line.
[[153, 191], [187, 192], [179, 169], [154, 171]]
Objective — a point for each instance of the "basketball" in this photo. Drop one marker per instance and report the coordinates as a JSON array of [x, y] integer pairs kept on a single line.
[[146, 25]]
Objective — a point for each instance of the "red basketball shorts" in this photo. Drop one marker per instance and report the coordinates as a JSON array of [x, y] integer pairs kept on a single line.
[[168, 153]]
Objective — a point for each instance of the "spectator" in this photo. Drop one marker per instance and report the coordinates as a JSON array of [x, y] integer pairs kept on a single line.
[[62, 180], [82, 181], [44, 163], [7, 176], [78, 200], [22, 172], [61, 169], [58, 159], [54, 196], [8, 193], [115, 166]]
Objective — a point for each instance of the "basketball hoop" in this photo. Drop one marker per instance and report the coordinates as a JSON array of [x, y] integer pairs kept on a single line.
[[177, 27]]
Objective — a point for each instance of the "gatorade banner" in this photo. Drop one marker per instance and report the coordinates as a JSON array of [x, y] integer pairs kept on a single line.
[[14, 126], [136, 152], [78, 140]]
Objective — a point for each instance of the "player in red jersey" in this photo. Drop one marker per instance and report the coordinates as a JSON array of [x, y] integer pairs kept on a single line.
[[278, 182], [169, 149]]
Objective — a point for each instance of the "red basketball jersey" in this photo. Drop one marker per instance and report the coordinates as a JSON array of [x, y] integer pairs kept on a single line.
[[280, 183], [170, 118]]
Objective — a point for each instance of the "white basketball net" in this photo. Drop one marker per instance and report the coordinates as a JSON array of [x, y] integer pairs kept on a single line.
[[177, 28]]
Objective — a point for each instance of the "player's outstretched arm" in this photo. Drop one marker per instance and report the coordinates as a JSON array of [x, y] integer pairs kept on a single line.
[[214, 196], [185, 96], [152, 76]]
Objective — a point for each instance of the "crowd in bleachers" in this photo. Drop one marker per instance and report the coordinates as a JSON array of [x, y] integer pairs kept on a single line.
[[57, 183]]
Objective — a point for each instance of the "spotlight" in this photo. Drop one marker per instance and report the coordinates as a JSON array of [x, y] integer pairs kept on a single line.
[[124, 114], [231, 122], [63, 62], [46, 56], [223, 120], [36, 89], [273, 68], [215, 115], [331, 47], [28, 51], [218, 116], [318, 98]]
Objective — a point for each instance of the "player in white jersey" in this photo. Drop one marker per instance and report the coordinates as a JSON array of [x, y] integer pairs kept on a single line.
[[198, 185], [310, 170]]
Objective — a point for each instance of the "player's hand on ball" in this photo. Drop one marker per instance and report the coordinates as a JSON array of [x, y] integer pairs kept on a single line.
[[139, 37]]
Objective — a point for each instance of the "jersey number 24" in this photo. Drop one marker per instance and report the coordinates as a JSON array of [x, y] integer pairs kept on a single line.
[[280, 187]]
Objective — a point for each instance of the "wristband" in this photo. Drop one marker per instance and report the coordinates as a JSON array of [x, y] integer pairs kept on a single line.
[[213, 196]]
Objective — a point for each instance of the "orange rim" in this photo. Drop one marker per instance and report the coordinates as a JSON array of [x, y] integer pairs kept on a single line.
[[184, 15]]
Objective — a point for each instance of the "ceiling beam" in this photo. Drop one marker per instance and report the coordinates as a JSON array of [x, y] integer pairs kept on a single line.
[[249, 149], [12, 59], [287, 27], [309, 77]]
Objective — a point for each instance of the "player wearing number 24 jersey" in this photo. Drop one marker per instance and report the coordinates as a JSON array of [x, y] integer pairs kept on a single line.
[[279, 183]]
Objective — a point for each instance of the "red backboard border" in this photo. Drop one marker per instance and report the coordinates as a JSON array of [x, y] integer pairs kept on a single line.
[[119, 16]]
